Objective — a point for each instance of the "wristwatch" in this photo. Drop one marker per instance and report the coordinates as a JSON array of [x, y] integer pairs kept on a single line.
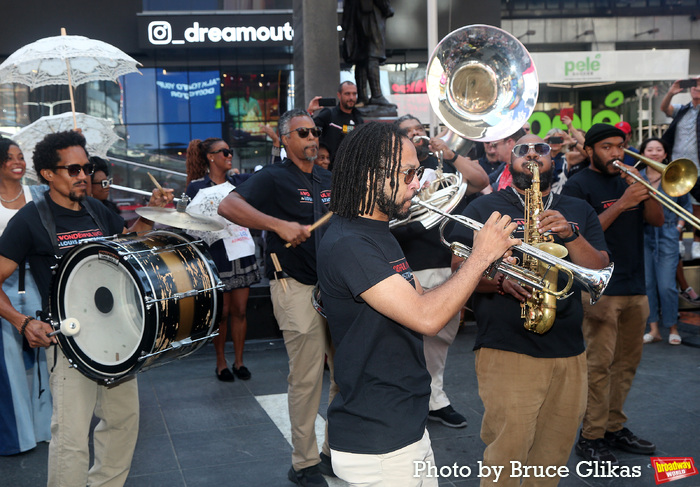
[[574, 235]]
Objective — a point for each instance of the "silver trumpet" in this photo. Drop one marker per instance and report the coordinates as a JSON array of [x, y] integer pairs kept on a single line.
[[593, 280]]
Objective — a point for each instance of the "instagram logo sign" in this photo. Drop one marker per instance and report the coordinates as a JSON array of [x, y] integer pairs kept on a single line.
[[160, 32]]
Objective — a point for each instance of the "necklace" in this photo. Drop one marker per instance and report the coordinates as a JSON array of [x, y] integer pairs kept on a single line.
[[21, 192], [522, 201]]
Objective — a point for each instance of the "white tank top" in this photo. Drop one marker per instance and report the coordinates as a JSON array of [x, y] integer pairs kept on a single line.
[[6, 214]]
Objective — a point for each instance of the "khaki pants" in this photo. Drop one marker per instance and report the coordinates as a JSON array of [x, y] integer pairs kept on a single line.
[[393, 469], [436, 347], [75, 399], [532, 410], [613, 330], [307, 340]]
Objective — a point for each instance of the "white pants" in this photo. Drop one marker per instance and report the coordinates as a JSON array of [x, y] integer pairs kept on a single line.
[[393, 469]]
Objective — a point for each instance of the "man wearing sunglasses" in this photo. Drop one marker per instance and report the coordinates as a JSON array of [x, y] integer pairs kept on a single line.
[[430, 260], [378, 312], [533, 386], [49, 227], [614, 327], [284, 199]]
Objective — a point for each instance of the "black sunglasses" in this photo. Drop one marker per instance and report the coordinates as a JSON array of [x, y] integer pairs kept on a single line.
[[74, 169], [540, 149], [304, 132], [225, 152], [414, 172]]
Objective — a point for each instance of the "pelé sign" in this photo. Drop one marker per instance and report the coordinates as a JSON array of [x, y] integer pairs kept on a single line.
[[541, 122]]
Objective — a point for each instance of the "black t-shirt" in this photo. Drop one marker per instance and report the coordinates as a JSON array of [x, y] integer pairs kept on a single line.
[[625, 237], [498, 317], [488, 166], [345, 123], [422, 247], [283, 191], [379, 364], [26, 238]]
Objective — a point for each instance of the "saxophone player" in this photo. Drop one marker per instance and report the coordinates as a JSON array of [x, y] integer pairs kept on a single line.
[[533, 385]]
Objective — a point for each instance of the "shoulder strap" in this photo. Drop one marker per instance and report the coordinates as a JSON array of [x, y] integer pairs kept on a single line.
[[47, 219], [89, 203]]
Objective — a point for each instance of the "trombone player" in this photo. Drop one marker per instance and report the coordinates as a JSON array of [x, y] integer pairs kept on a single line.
[[533, 386], [615, 326]]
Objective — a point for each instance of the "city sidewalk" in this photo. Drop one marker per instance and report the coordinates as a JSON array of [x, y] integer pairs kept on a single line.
[[197, 431]]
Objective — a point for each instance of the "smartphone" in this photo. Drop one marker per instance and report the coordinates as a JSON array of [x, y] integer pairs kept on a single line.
[[566, 112], [326, 102], [556, 140], [688, 83]]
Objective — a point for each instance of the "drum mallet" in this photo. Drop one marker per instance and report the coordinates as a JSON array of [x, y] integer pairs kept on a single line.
[[69, 327]]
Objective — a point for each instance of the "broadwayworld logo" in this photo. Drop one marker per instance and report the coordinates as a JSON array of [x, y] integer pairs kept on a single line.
[[667, 469], [160, 33]]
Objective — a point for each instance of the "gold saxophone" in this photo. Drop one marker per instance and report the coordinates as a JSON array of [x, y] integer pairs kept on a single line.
[[540, 310]]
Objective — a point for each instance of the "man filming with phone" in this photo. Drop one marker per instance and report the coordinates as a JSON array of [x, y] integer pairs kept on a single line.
[[337, 120], [682, 134]]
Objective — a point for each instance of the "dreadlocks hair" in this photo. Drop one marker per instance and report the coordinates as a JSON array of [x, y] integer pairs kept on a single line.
[[196, 162], [367, 156], [46, 152]]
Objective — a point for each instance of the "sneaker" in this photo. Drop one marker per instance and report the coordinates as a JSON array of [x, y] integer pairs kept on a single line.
[[689, 295], [309, 476], [594, 450], [449, 417], [681, 249], [695, 250], [326, 466], [627, 441], [242, 372]]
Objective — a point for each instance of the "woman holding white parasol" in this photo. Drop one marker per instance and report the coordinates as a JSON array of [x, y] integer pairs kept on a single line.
[[208, 163]]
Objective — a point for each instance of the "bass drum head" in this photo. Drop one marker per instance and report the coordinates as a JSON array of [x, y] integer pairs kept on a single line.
[[95, 287]]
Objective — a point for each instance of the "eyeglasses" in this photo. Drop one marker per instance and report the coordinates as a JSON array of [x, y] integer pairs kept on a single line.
[[304, 132], [540, 148], [74, 169], [105, 183], [414, 172], [225, 152]]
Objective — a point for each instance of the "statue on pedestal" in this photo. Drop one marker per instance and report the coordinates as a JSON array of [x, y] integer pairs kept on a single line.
[[364, 25]]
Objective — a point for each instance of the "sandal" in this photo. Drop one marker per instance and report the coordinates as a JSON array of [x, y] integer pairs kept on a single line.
[[649, 338], [674, 339]]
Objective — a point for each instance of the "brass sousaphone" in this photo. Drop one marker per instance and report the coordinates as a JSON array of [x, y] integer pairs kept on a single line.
[[482, 84]]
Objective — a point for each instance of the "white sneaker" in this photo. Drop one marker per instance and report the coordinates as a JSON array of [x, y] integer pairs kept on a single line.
[[681, 249], [695, 250]]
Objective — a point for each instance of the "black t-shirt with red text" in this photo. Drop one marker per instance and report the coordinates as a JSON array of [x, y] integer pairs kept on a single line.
[[282, 190], [26, 238], [382, 404]]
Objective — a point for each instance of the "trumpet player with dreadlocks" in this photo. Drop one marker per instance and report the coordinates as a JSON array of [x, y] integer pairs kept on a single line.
[[378, 313], [529, 349]]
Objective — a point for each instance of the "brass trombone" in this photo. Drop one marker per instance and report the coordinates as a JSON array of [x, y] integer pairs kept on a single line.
[[677, 178]]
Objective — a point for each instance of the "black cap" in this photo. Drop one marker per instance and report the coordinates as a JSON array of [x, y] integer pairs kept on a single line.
[[601, 131]]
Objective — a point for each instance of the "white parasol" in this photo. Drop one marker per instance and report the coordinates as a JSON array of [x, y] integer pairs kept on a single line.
[[237, 240], [98, 132], [64, 59]]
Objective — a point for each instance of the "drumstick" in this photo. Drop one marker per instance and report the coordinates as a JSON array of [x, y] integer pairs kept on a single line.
[[278, 268], [316, 224], [155, 182]]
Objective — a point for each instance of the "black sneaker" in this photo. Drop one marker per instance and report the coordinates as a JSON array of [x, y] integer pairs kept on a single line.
[[594, 450], [449, 417], [326, 467], [309, 476], [627, 441], [242, 372]]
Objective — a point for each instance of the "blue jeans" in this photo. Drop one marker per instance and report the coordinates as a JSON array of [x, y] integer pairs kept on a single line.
[[660, 262]]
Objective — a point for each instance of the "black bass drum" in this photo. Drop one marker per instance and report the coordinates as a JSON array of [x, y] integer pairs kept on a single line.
[[135, 301]]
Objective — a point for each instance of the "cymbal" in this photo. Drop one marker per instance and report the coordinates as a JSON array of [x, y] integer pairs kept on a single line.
[[179, 219]]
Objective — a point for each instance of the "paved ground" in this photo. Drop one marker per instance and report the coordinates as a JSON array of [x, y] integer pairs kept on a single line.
[[197, 431]]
